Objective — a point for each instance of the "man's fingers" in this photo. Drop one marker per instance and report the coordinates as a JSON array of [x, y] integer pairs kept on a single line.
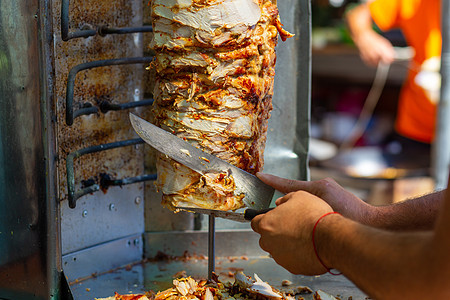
[[256, 227], [281, 200], [263, 244], [282, 184], [255, 223]]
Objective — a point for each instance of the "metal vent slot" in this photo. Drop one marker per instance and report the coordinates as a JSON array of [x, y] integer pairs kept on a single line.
[[75, 195], [88, 32], [104, 106]]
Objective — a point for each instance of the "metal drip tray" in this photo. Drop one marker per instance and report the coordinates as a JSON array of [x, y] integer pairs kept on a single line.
[[158, 276], [176, 253]]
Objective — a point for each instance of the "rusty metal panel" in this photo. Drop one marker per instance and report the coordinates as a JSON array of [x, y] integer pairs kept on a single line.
[[114, 84]]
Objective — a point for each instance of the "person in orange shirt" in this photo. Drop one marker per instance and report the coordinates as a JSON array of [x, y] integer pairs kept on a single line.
[[419, 22]]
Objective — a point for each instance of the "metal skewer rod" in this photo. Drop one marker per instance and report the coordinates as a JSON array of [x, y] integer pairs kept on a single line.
[[211, 244]]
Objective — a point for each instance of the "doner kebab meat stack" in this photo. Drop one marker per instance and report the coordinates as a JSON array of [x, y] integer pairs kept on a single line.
[[215, 67]]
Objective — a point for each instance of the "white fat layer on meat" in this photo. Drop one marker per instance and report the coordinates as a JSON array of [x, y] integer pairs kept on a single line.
[[232, 102], [263, 288], [258, 286], [242, 127], [168, 41], [225, 69], [226, 14], [165, 26], [242, 280], [321, 295], [174, 3], [189, 106], [175, 184], [194, 59], [208, 295], [215, 66], [203, 125], [206, 184]]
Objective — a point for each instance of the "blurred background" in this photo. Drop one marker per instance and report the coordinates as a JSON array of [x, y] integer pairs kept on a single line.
[[353, 113]]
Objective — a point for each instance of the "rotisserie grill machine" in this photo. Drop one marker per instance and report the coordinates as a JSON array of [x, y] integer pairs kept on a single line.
[[80, 217]]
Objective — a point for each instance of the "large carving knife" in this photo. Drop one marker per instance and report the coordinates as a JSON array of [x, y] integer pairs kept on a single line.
[[257, 195]]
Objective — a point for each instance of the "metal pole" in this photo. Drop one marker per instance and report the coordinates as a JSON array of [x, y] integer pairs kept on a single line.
[[211, 244], [304, 23], [441, 149]]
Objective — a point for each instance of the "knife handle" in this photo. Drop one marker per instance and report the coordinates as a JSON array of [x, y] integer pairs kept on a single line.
[[249, 213]]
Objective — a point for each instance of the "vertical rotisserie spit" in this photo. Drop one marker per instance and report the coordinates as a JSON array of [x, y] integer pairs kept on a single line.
[[215, 66]]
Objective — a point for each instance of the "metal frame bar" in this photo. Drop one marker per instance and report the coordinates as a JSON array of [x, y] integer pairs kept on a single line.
[[71, 114], [441, 145], [304, 85], [102, 30], [57, 287], [73, 195]]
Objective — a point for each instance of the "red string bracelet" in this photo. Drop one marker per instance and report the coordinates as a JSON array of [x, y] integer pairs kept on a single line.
[[314, 243]]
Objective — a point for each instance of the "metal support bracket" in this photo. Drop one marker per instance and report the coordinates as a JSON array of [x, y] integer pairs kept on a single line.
[[88, 32], [74, 195], [71, 114]]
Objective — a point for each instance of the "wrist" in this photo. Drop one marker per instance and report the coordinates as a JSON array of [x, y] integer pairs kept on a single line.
[[362, 37], [321, 239], [367, 214]]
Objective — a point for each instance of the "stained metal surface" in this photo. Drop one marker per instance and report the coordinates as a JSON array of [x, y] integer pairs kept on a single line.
[[173, 253], [105, 180], [28, 230], [116, 84], [71, 114], [99, 78], [235, 242], [88, 32], [98, 218], [288, 135], [158, 276], [103, 258]]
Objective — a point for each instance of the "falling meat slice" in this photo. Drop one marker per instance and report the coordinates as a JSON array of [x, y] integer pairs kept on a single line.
[[321, 295]]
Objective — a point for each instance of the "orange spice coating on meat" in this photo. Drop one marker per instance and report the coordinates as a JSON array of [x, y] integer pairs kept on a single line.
[[215, 64]]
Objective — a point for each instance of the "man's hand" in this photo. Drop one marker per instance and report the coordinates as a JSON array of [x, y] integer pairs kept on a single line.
[[373, 48], [328, 190], [413, 214], [385, 264], [286, 232]]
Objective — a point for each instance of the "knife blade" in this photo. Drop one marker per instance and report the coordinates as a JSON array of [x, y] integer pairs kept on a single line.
[[257, 194], [246, 216]]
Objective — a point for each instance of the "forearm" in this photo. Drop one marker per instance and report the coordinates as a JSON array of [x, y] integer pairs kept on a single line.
[[417, 214], [373, 48], [414, 214], [385, 265], [359, 22]]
